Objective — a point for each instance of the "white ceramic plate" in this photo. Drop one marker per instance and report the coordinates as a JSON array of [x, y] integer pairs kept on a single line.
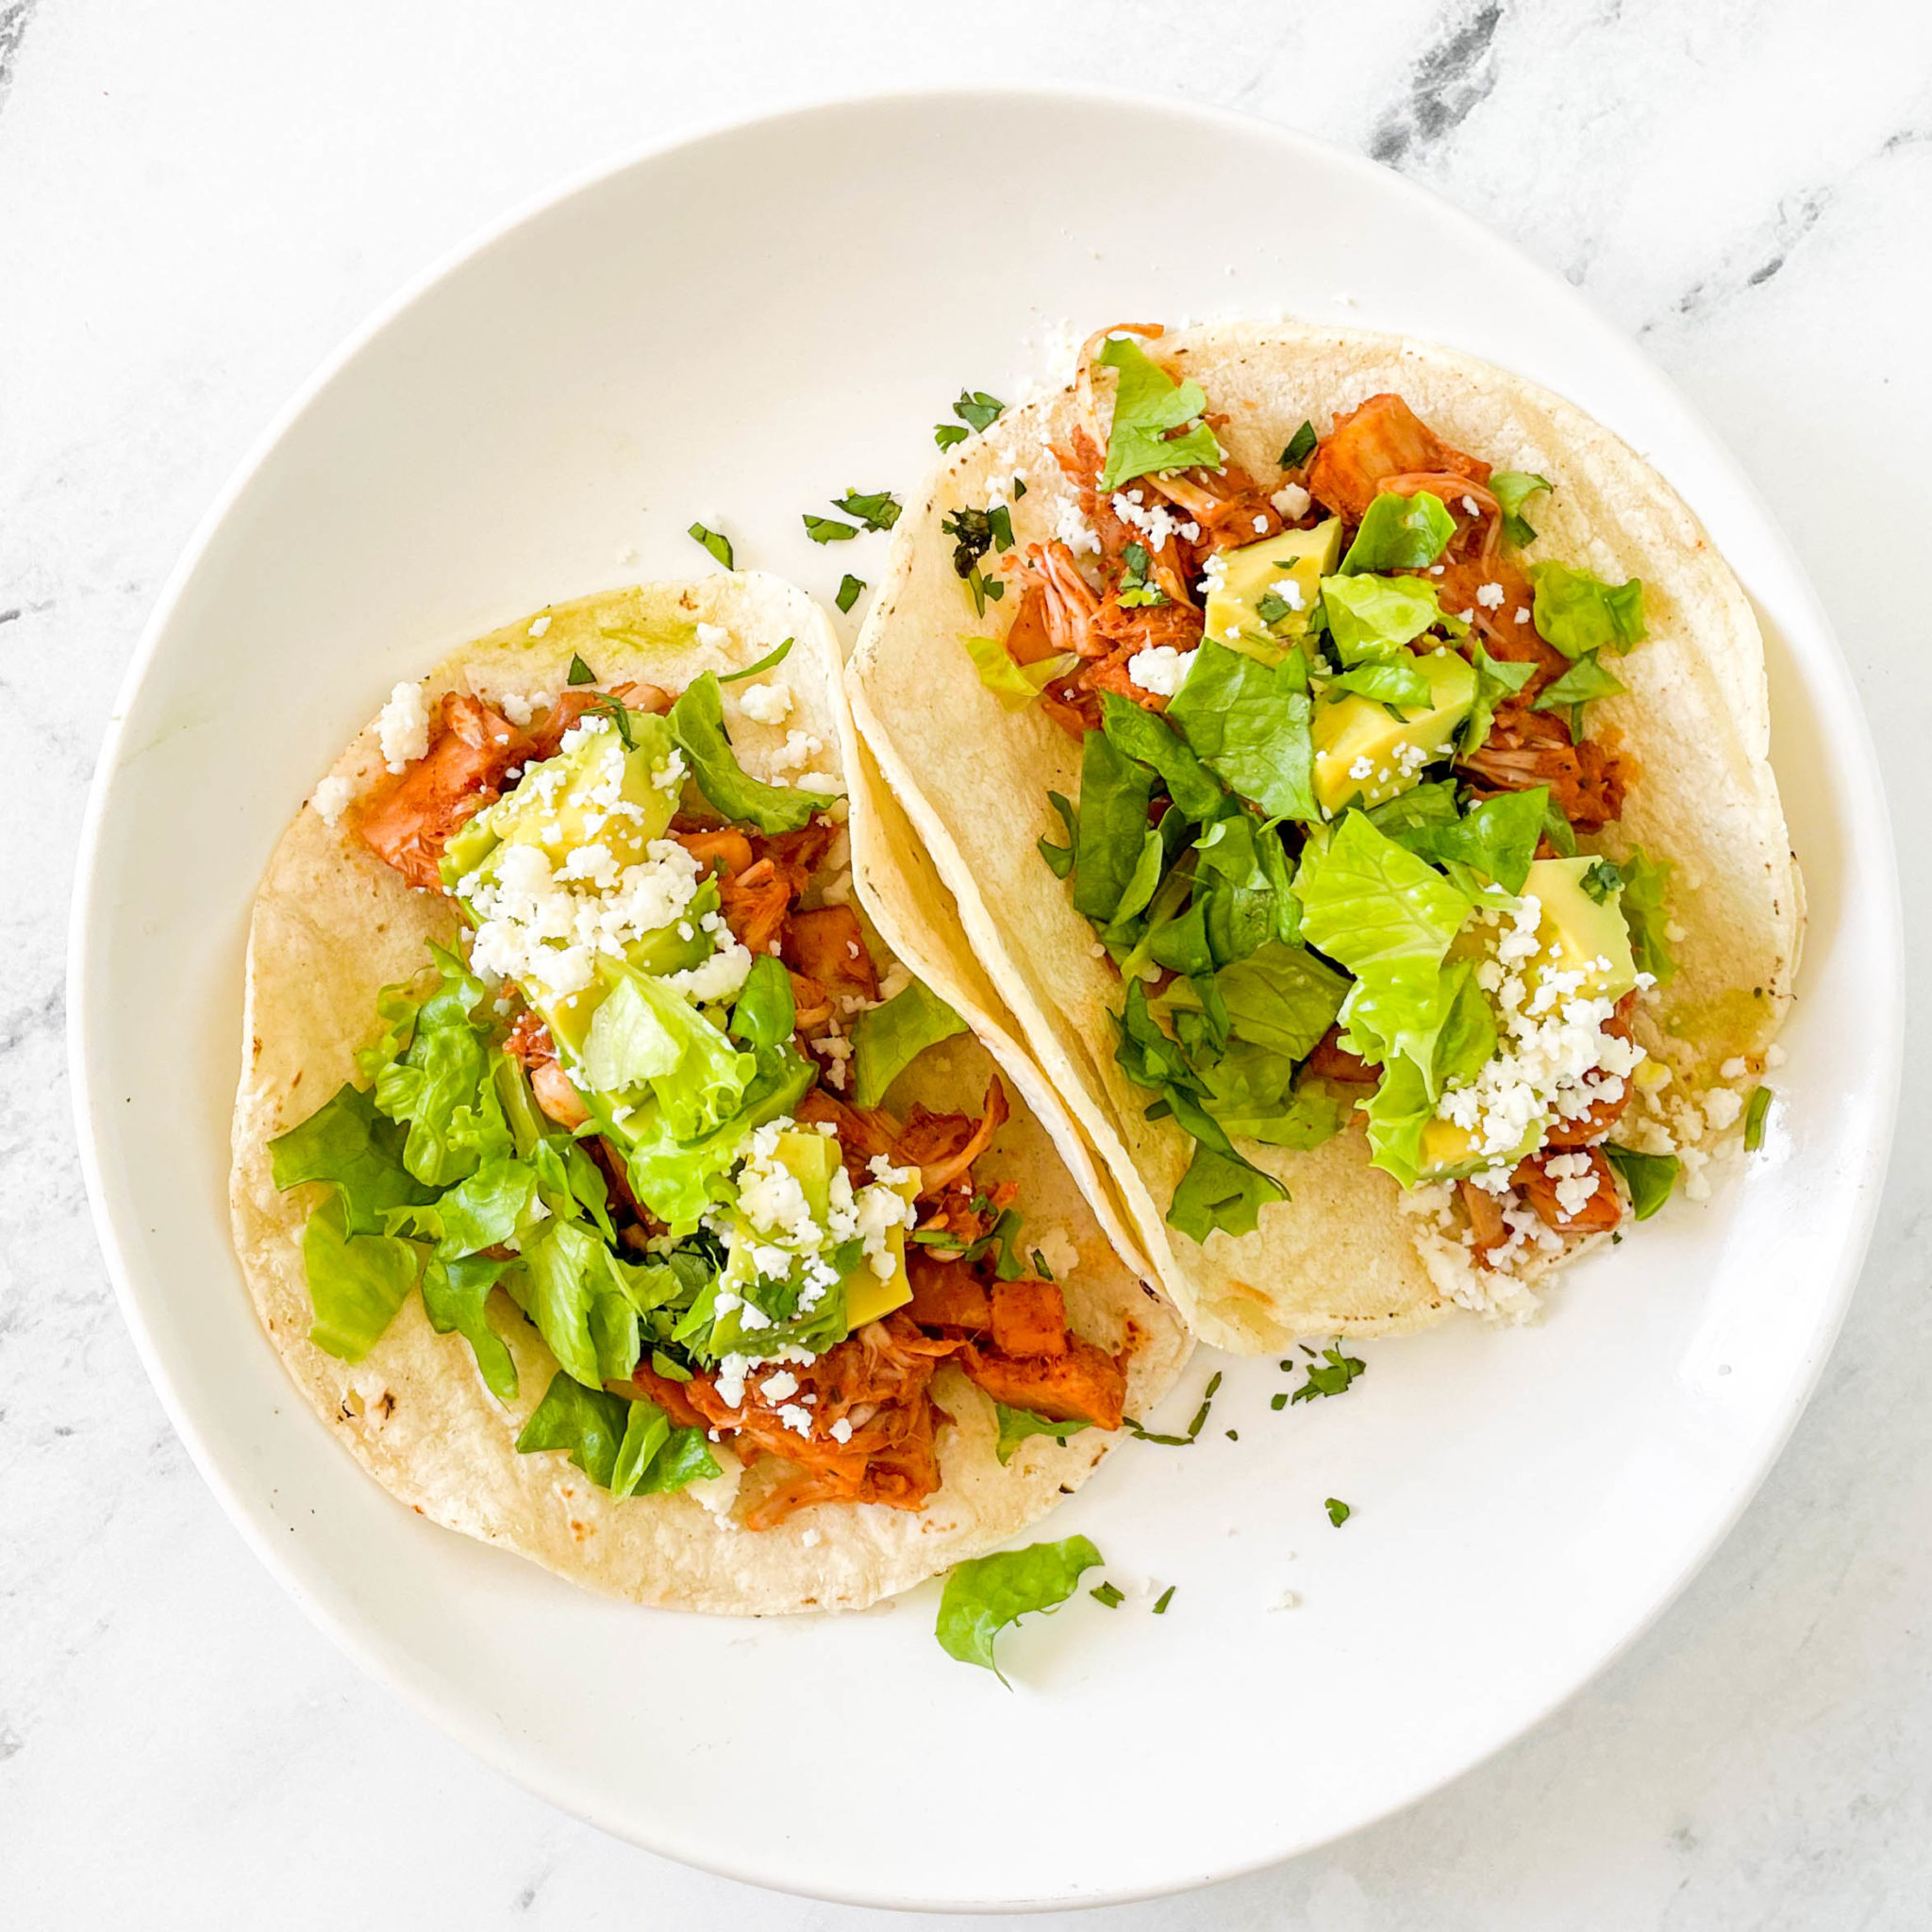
[[736, 329]]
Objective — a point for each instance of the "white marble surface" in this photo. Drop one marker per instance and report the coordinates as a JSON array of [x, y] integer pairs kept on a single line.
[[198, 198]]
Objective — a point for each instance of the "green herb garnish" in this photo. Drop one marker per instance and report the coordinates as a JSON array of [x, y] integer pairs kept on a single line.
[[580, 672], [1339, 1511], [1334, 1375], [849, 588], [1301, 446], [1754, 1111], [770, 661], [1166, 1597], [828, 529], [1109, 1595], [879, 511], [715, 541]]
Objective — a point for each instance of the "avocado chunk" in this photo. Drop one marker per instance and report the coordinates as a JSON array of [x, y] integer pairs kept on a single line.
[[596, 792], [1579, 934], [1285, 572], [1448, 1153], [1366, 754]]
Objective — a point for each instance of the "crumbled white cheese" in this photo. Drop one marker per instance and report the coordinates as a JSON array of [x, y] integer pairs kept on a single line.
[[539, 625], [1522, 613], [1290, 592], [331, 800], [516, 708], [768, 704], [1489, 596], [712, 637], [1722, 1108], [1734, 1069], [1774, 1056], [1157, 523], [1291, 500], [1074, 530], [403, 726], [799, 749], [1161, 670], [1057, 1249]]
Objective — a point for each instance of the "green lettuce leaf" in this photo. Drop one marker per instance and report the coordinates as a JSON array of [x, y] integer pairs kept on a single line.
[[1242, 875], [1015, 685], [1399, 533], [359, 1153], [455, 1297], [1646, 880], [626, 1447], [1282, 998], [765, 1013], [1498, 837], [1148, 404], [1496, 678], [1512, 488], [657, 1040], [1373, 619], [357, 1282], [484, 1209], [983, 1596], [697, 721], [1112, 828], [1059, 859], [568, 1287], [1578, 612], [1398, 1110], [1585, 679], [1142, 735], [1650, 1177], [1017, 1424], [1400, 685], [1254, 1093], [888, 1038], [1220, 1191], [1248, 722], [436, 1087], [1419, 808], [1388, 917]]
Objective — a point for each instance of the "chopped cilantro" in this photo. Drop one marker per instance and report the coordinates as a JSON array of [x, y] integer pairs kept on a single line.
[[1039, 1267], [770, 661], [1273, 606], [976, 408], [1333, 1375], [716, 543], [1109, 1595], [947, 433], [1166, 1597], [1339, 1511], [1278, 1401], [876, 511], [580, 672], [1135, 588], [828, 529], [1301, 446], [1200, 1421], [608, 706], [1754, 1111], [1141, 1435], [849, 588], [1601, 880]]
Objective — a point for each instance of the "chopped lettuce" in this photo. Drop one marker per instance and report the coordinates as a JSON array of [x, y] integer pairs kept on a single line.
[[1014, 685], [1248, 722], [1512, 488], [456, 1295], [888, 1038], [1115, 791], [766, 1013], [1220, 1191], [1498, 837], [1578, 612], [437, 1086], [1585, 679], [1148, 406], [347, 1144], [1399, 533], [1140, 735], [1646, 914], [1400, 685], [697, 721], [1371, 619], [1018, 1425], [657, 1042], [1256, 1094], [569, 1289], [983, 1596], [1496, 678], [357, 1282], [1059, 859], [1282, 998], [628, 1447], [1241, 876]]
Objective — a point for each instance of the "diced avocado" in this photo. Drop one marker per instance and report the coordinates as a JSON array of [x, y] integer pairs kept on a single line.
[[866, 1297], [597, 792], [1356, 734], [1579, 934], [1285, 571], [1448, 1153]]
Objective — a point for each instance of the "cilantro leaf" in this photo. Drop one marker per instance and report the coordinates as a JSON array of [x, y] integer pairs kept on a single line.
[[828, 529], [978, 410], [849, 588], [983, 1596], [580, 672], [715, 541], [1301, 446], [770, 661], [1333, 1375], [1339, 1511], [1756, 1110], [1148, 406], [878, 511], [1107, 1596], [948, 434]]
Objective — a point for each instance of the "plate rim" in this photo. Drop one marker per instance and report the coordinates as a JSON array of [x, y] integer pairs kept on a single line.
[[1867, 821]]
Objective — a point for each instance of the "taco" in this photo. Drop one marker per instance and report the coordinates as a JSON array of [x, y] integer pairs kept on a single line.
[[1350, 762], [606, 1184]]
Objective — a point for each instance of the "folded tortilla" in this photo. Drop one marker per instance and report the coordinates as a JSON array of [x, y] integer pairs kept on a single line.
[[332, 925], [1349, 1252]]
